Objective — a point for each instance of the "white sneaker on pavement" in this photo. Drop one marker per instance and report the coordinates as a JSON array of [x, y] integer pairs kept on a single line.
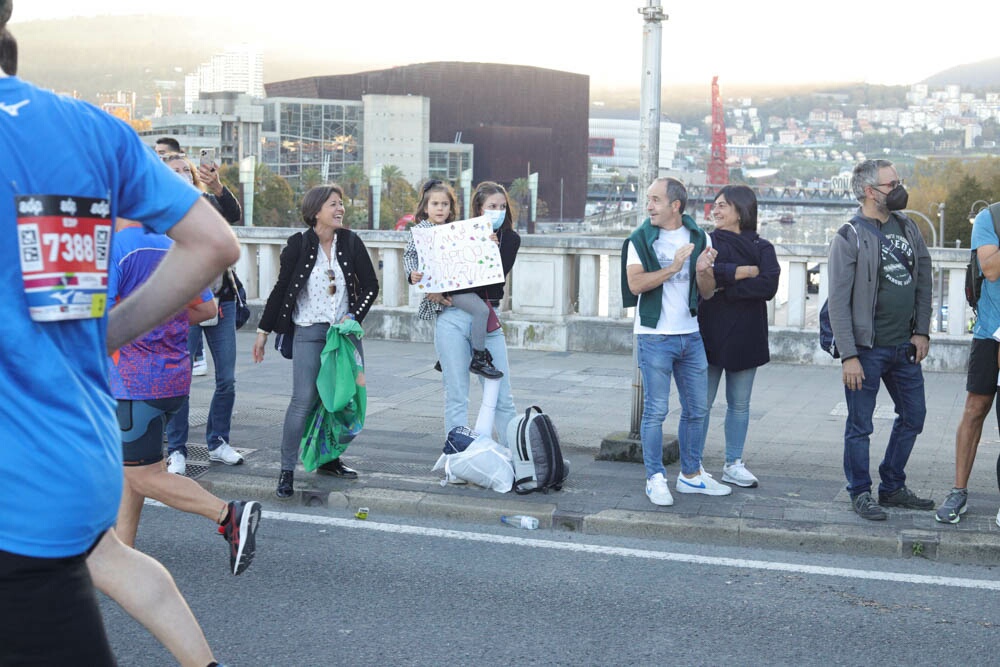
[[701, 483], [658, 492], [177, 463], [199, 367], [225, 454], [737, 473]]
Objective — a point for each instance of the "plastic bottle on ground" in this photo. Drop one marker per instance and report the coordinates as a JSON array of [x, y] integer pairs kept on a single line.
[[520, 521]]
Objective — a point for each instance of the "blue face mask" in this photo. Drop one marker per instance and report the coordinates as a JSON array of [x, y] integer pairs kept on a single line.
[[496, 218]]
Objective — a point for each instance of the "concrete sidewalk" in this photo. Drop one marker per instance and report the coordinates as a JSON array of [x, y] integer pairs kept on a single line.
[[795, 448]]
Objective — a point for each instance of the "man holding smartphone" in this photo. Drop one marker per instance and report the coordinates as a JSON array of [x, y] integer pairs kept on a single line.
[[880, 312]]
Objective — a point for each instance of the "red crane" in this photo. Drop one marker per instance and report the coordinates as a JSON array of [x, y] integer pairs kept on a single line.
[[718, 173]]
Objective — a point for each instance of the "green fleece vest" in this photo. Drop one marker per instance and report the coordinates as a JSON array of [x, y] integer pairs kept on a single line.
[[650, 304]]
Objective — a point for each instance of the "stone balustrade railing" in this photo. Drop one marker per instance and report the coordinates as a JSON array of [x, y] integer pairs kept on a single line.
[[564, 294]]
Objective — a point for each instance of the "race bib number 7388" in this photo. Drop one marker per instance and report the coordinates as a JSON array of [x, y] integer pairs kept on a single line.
[[64, 243]]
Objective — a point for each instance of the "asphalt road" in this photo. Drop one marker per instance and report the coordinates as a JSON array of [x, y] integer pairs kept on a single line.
[[327, 589]]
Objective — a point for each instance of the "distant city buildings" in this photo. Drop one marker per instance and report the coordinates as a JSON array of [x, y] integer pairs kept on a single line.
[[614, 144], [238, 69], [503, 122]]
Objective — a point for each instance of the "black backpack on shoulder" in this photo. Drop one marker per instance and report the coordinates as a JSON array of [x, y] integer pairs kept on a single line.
[[973, 272]]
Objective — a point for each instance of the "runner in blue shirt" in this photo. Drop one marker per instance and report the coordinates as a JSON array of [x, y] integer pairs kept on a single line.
[[67, 169]]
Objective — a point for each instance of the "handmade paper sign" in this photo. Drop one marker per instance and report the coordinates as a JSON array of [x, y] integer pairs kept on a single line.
[[457, 255]]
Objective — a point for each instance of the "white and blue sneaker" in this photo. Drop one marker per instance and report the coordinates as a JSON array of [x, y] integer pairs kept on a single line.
[[701, 483], [658, 492]]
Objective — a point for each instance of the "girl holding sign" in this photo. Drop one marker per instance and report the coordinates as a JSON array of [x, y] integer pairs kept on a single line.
[[438, 206], [453, 326]]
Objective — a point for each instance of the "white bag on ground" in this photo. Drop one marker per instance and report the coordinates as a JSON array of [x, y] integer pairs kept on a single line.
[[483, 462]]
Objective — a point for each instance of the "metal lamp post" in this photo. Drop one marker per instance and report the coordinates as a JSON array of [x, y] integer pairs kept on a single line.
[[621, 446], [930, 225], [973, 211], [248, 168], [649, 151], [940, 310]]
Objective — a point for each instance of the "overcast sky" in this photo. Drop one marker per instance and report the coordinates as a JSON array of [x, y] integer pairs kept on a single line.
[[768, 41]]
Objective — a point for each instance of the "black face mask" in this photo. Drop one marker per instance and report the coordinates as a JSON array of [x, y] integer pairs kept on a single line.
[[897, 198]]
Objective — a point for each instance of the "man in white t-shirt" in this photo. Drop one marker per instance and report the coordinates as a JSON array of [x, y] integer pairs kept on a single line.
[[666, 267]]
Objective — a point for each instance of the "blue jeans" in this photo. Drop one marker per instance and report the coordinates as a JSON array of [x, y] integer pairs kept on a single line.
[[683, 357], [222, 342], [452, 341], [739, 384], [905, 384], [196, 346]]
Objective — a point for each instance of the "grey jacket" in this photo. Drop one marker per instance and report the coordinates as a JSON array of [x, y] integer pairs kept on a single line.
[[854, 276]]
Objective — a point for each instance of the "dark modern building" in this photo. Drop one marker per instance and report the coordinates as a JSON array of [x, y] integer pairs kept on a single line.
[[519, 119]]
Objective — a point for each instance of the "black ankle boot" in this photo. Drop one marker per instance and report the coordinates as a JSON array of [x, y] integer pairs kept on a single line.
[[285, 489], [482, 364]]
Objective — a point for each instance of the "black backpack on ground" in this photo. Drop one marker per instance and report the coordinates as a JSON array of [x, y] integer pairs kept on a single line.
[[535, 453]]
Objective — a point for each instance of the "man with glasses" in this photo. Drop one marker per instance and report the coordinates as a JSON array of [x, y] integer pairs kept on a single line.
[[880, 312]]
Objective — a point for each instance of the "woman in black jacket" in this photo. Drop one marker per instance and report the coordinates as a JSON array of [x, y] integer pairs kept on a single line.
[[326, 277], [733, 322]]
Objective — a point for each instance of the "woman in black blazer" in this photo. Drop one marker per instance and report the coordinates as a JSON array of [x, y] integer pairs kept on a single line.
[[326, 277]]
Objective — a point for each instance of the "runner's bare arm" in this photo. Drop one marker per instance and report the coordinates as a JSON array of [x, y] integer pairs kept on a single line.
[[202, 312], [204, 246]]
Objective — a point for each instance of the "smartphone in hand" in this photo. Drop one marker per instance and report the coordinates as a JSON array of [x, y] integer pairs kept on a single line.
[[206, 157], [911, 353]]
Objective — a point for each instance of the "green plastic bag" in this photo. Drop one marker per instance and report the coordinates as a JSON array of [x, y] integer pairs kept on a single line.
[[339, 414]]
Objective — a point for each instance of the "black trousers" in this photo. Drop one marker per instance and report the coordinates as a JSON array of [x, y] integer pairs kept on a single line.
[[49, 613]]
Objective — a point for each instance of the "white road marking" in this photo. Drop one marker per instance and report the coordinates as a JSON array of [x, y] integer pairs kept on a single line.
[[954, 582]]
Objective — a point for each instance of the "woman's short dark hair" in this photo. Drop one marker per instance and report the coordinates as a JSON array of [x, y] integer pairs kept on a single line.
[[429, 187], [742, 198], [313, 201], [485, 190]]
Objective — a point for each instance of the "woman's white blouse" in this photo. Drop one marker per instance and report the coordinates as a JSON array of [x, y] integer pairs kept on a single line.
[[315, 305]]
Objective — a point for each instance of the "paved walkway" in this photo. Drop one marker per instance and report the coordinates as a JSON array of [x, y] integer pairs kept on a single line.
[[794, 447]]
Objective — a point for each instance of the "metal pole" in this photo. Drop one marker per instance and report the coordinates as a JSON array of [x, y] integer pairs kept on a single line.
[[649, 98], [649, 153], [940, 312], [560, 200]]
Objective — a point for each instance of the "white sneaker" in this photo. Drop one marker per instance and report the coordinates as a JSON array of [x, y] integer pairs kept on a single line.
[[199, 367], [737, 474], [177, 463], [658, 492], [225, 454], [701, 483]]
